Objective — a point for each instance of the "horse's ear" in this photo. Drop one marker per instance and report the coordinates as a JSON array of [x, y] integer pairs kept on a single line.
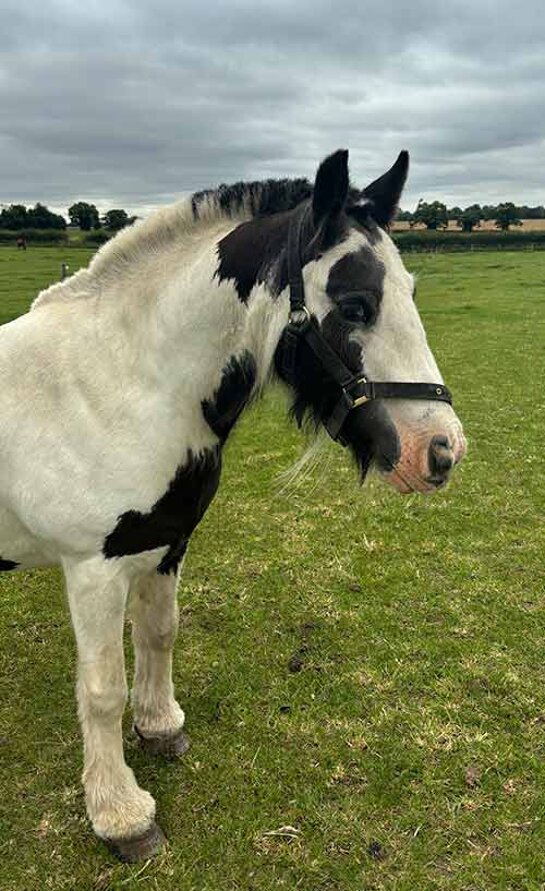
[[384, 193], [330, 187]]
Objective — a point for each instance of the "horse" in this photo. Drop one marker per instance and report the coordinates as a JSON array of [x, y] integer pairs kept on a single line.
[[122, 383]]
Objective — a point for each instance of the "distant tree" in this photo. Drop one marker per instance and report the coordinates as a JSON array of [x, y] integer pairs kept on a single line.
[[404, 216], [114, 220], [433, 215], [40, 217], [489, 211], [507, 215], [454, 212], [470, 218], [84, 215], [532, 213], [14, 217]]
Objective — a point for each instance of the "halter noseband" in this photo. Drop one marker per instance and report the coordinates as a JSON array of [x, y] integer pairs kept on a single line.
[[355, 391]]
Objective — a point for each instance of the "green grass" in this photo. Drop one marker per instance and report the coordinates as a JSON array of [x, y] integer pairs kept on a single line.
[[24, 273], [365, 668]]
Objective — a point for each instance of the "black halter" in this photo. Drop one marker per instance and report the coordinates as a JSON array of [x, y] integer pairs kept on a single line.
[[354, 391]]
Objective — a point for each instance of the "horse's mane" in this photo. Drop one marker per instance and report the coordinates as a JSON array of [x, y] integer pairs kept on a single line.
[[172, 225], [256, 199]]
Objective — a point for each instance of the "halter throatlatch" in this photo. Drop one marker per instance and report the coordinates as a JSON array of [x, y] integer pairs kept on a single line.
[[355, 391]]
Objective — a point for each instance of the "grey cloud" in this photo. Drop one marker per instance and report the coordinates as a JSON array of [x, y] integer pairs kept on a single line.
[[134, 103]]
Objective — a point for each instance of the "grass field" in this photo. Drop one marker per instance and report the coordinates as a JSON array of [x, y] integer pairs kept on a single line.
[[364, 668]]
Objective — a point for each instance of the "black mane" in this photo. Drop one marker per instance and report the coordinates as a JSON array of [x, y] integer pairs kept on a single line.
[[260, 198]]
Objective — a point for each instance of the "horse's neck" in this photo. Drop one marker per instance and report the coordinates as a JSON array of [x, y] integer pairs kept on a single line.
[[187, 319]]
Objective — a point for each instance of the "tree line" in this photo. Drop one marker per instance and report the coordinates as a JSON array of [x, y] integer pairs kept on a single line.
[[433, 215], [436, 215], [17, 217]]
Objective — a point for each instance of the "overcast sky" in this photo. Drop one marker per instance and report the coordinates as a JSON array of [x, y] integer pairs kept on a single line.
[[134, 103]]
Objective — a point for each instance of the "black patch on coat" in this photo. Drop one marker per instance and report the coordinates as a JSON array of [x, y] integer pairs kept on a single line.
[[222, 411], [316, 392], [368, 430], [355, 282], [247, 255], [256, 252], [173, 517], [6, 565]]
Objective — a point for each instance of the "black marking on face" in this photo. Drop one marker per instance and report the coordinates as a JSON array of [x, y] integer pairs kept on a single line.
[[364, 222], [172, 519], [315, 392], [7, 565], [368, 430], [222, 411], [355, 284], [372, 435]]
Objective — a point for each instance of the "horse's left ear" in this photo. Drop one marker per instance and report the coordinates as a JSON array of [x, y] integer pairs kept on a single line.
[[384, 193], [330, 187]]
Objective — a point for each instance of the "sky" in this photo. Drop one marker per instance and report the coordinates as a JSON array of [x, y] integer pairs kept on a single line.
[[134, 103]]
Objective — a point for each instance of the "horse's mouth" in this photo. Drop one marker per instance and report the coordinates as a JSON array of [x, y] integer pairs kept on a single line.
[[407, 482], [437, 482]]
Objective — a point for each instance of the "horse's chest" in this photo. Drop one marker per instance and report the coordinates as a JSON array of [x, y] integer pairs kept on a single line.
[[173, 517]]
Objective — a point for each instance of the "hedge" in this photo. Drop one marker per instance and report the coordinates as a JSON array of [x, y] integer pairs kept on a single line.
[[35, 236], [53, 237], [96, 238], [418, 240], [425, 240]]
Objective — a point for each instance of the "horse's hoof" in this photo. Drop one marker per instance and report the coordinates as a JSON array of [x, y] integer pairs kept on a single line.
[[139, 847], [167, 746]]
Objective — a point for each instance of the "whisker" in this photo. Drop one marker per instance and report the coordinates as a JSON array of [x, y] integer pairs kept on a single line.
[[395, 469], [299, 472]]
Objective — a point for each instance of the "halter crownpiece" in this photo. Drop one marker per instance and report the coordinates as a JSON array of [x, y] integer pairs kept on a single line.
[[355, 390]]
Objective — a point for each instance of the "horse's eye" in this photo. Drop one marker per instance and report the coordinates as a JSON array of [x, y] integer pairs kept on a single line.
[[358, 310]]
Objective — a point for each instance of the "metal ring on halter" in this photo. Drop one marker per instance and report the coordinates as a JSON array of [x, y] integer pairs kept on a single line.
[[299, 317]]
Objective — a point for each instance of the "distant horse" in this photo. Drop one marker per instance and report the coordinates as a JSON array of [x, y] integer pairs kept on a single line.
[[21, 242], [122, 384]]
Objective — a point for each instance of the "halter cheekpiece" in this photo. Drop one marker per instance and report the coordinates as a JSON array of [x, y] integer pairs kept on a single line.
[[354, 391]]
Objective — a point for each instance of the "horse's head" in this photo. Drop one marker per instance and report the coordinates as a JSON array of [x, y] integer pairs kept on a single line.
[[359, 299]]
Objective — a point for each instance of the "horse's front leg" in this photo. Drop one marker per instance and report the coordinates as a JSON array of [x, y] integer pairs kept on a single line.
[[158, 719], [121, 813]]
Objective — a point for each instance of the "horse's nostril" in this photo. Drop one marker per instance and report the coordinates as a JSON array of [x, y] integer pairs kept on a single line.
[[441, 456]]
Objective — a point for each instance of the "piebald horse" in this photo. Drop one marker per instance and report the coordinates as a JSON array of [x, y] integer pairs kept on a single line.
[[122, 383]]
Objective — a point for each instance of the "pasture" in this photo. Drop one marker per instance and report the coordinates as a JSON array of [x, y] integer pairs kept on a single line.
[[363, 674]]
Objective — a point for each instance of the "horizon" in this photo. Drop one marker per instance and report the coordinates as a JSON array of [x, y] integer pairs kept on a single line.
[[149, 209]]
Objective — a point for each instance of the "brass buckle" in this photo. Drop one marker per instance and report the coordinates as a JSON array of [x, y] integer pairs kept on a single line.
[[361, 400]]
